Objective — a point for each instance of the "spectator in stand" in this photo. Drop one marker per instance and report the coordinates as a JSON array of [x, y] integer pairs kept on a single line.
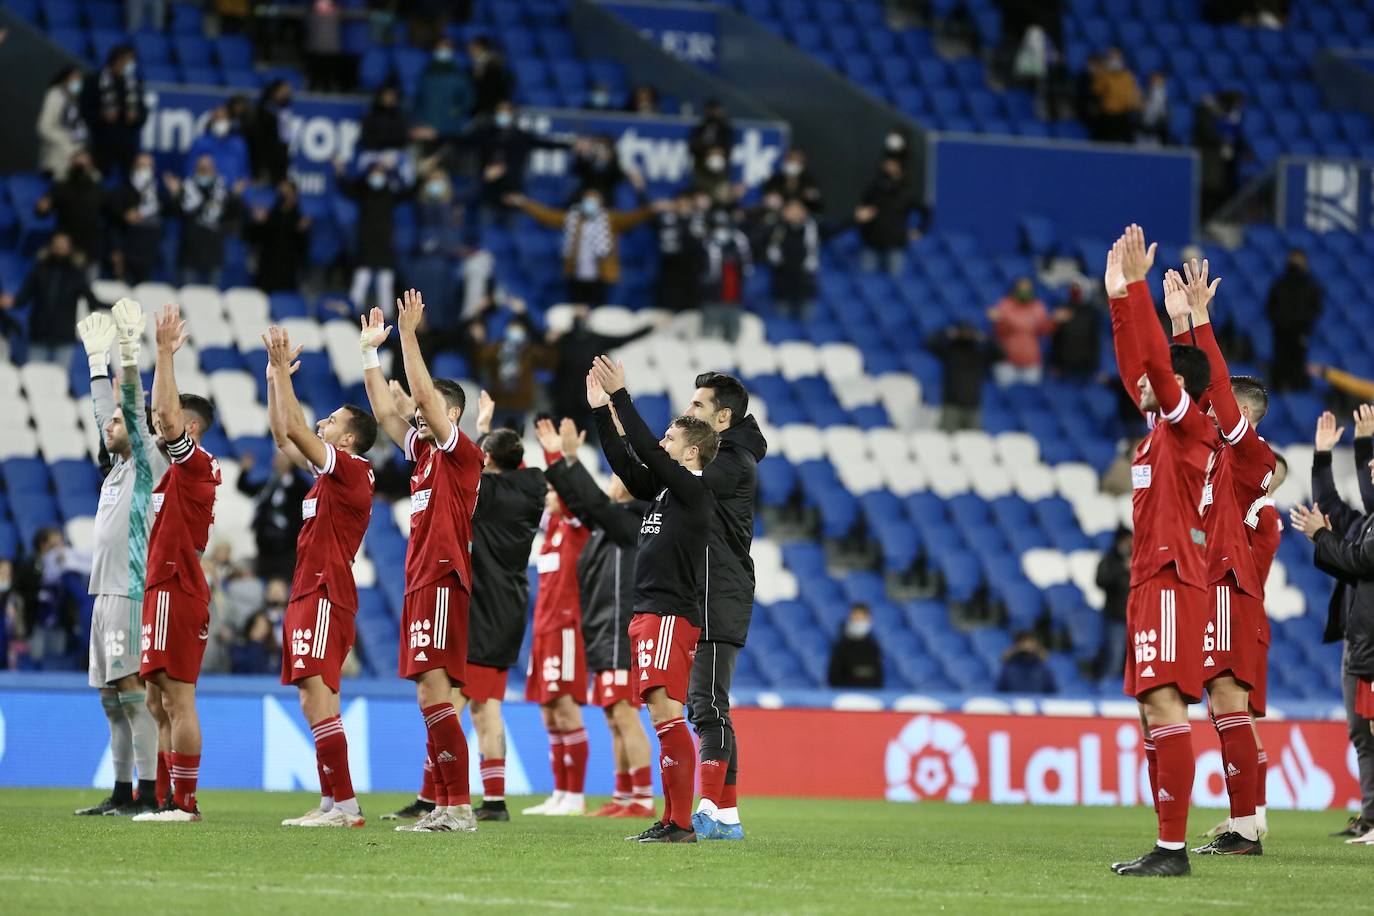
[[256, 650], [1114, 578], [241, 116], [792, 181], [643, 100], [1118, 99], [444, 97], [729, 262], [282, 238], [1217, 134], [453, 296], [793, 250], [377, 191], [856, 661], [1024, 669], [576, 347], [385, 127], [492, 82], [78, 202], [712, 177], [591, 242], [325, 63], [9, 618], [1155, 116], [884, 213], [139, 12], [1075, 350], [681, 229], [276, 514], [713, 132], [224, 145], [597, 167], [235, 596], [112, 106], [208, 207], [1117, 479], [136, 209], [270, 139], [61, 128], [966, 353], [47, 613], [1294, 303], [506, 367], [1021, 321], [599, 97], [503, 152], [52, 290]]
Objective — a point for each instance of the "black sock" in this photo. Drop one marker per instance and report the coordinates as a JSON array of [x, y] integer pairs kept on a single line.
[[123, 792], [424, 805], [497, 805], [147, 790]]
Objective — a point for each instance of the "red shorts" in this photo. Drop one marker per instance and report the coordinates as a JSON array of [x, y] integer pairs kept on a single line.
[[316, 636], [1165, 619], [175, 629], [434, 630], [1235, 635], [663, 651], [558, 667], [610, 687], [1364, 699], [485, 683]]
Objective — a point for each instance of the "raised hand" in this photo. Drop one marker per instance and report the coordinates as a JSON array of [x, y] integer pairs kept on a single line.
[[609, 375], [1328, 433], [405, 404], [410, 311], [171, 329], [1364, 421], [374, 330], [280, 356], [130, 320], [1176, 297], [486, 409], [1199, 293], [596, 396], [570, 439], [547, 435], [97, 333], [1114, 279], [1309, 521], [1136, 258]]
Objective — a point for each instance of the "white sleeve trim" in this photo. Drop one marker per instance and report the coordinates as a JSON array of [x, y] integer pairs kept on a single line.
[[1239, 432], [330, 460], [452, 442], [181, 449], [1179, 410], [412, 438]]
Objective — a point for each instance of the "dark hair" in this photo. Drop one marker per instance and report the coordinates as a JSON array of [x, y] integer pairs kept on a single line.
[[63, 75], [505, 448], [1191, 363], [1024, 634], [363, 426], [480, 41], [453, 394], [861, 606], [1252, 392], [702, 435], [117, 52], [727, 391], [202, 408], [41, 536]]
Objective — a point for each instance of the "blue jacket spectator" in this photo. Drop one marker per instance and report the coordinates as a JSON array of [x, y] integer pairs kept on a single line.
[[224, 145], [444, 97], [1024, 669]]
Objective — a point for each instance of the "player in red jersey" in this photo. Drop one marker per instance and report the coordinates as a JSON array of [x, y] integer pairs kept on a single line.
[[557, 675], [1237, 477], [176, 600], [318, 627], [1166, 611], [443, 496]]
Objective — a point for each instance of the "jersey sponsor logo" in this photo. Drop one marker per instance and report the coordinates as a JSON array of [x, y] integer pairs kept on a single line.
[[109, 496], [653, 524], [157, 502], [1140, 477], [930, 759], [419, 500], [309, 507], [548, 563]]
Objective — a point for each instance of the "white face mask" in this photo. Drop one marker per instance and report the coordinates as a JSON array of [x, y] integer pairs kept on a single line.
[[895, 142], [792, 168], [502, 119], [219, 128], [715, 163], [858, 629], [141, 177], [74, 86]]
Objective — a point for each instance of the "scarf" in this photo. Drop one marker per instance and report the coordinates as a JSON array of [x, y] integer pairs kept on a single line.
[[148, 206], [206, 206], [584, 236]]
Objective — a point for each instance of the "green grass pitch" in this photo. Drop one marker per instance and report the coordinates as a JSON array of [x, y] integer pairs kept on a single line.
[[800, 857]]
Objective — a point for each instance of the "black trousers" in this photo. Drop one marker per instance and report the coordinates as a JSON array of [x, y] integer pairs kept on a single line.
[[708, 704]]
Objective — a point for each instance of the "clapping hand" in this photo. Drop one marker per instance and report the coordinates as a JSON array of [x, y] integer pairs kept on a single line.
[[405, 404], [547, 435], [374, 330], [1309, 521], [1176, 297], [280, 356], [1199, 293], [596, 396], [1364, 421], [1113, 278], [1328, 433], [571, 439], [609, 375], [486, 409]]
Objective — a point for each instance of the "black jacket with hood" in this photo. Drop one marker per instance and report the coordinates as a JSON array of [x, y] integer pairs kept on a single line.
[[729, 586]]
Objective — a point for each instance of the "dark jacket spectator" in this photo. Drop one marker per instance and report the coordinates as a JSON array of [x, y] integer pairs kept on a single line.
[[1221, 145], [61, 127], [1293, 306], [681, 231], [385, 127], [597, 167], [1075, 348], [440, 244], [377, 192], [883, 215], [225, 145], [282, 238], [856, 659], [444, 97], [256, 651], [136, 208], [492, 82], [1114, 578], [643, 100], [53, 288], [276, 515], [503, 153], [269, 141], [792, 181], [576, 348], [711, 177], [1024, 669], [793, 250], [966, 355], [78, 202], [208, 207], [113, 108], [714, 131]]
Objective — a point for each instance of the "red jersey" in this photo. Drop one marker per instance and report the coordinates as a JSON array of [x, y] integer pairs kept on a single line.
[[1265, 527], [443, 496], [183, 509], [558, 604], [335, 514]]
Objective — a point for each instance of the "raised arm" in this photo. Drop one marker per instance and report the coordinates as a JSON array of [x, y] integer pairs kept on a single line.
[[1233, 423], [636, 477], [1136, 261], [1342, 516], [683, 484], [1364, 454], [130, 322], [97, 333], [590, 505], [1128, 362], [289, 429], [171, 334], [428, 401], [374, 334]]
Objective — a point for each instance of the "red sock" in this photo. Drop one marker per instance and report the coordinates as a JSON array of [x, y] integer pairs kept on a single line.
[[623, 788], [1242, 763], [164, 778], [185, 772], [1262, 779], [331, 751], [450, 752], [728, 797], [436, 778], [677, 764], [575, 760], [1177, 766], [494, 779], [1152, 767], [712, 776], [428, 792], [325, 790], [642, 786], [560, 770]]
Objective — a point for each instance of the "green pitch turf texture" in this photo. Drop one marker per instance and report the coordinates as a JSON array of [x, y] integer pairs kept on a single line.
[[799, 857]]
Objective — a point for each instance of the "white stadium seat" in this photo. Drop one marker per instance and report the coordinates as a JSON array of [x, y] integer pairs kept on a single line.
[[1097, 513], [901, 395], [756, 359], [932, 447], [801, 442], [1017, 449], [1033, 483], [80, 533], [18, 443], [973, 447], [305, 332], [841, 361], [1045, 567], [798, 359], [111, 291], [248, 303], [1074, 478], [990, 482], [713, 355], [400, 514], [947, 480], [341, 345], [1083, 571], [859, 477]]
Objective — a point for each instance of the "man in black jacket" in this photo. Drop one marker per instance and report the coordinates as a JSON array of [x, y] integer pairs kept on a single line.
[[1344, 541], [112, 104], [576, 348], [1293, 306], [723, 403], [606, 577]]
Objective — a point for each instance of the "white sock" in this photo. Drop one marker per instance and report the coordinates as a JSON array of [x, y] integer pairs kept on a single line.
[[1246, 826], [707, 807], [728, 816], [349, 805], [326, 803], [1174, 846]]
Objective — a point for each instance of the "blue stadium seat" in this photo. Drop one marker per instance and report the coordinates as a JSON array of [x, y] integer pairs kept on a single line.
[[234, 52]]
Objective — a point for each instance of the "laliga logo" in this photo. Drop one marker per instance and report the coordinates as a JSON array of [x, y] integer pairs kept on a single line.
[[930, 759]]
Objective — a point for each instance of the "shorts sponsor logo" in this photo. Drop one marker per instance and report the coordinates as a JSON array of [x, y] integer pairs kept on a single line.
[[551, 670], [419, 634], [1146, 645]]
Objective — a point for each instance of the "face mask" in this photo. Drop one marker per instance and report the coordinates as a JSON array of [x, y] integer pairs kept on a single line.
[[590, 206], [858, 629], [443, 55], [600, 100], [792, 169], [205, 180], [895, 142], [716, 163], [130, 69], [220, 128], [502, 119], [376, 181], [142, 176], [436, 188], [74, 86], [722, 235], [515, 334]]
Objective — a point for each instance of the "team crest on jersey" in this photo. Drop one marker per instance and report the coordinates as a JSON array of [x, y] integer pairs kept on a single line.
[[1199, 537]]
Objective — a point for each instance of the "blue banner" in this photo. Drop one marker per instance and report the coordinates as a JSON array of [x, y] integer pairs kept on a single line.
[[325, 130], [1324, 195], [688, 31], [984, 187]]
